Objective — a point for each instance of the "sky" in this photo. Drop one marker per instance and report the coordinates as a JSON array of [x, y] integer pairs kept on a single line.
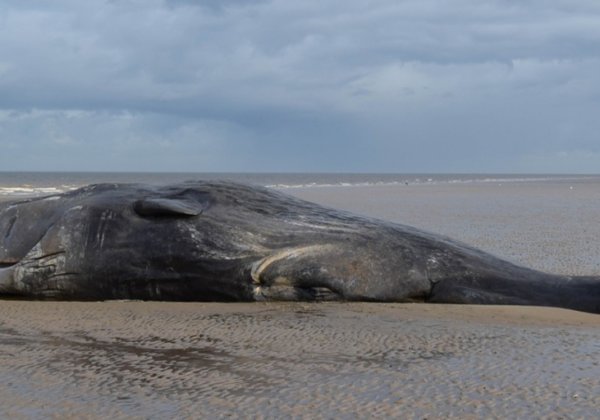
[[485, 86]]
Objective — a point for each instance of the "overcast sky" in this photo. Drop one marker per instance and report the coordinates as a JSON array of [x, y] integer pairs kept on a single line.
[[311, 85]]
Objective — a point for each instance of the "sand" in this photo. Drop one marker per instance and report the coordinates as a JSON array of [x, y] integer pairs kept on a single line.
[[333, 360]]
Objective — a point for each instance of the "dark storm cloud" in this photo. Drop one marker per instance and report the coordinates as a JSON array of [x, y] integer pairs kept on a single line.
[[315, 85]]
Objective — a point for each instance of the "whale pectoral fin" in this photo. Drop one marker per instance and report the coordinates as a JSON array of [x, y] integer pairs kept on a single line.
[[168, 207]]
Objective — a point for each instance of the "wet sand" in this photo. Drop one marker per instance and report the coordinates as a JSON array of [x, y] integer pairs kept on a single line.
[[333, 360]]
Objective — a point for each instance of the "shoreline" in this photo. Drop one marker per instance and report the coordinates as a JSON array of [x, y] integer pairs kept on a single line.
[[12, 185]]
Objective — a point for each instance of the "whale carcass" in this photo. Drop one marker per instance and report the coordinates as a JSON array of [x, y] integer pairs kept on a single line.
[[223, 241]]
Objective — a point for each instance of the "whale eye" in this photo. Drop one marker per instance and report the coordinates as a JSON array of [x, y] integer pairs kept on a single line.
[[168, 207]]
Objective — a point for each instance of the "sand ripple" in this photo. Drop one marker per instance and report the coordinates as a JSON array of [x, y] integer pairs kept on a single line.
[[156, 360]]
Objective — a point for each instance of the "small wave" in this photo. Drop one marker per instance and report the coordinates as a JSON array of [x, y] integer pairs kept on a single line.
[[28, 190]]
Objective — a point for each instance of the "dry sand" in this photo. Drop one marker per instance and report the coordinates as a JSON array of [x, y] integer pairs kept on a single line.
[[333, 360]]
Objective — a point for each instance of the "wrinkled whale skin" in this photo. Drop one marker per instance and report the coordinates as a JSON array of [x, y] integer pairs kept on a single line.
[[223, 241]]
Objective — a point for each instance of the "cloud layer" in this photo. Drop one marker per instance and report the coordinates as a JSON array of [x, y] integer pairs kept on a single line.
[[417, 85]]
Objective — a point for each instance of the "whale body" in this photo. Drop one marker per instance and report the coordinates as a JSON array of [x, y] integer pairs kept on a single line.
[[224, 241]]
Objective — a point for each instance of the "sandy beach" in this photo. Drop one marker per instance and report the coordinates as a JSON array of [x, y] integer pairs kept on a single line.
[[334, 360]]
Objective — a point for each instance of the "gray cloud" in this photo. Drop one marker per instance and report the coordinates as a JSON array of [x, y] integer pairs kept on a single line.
[[422, 85]]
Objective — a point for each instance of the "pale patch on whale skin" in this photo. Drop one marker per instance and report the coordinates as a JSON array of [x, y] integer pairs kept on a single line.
[[36, 265]]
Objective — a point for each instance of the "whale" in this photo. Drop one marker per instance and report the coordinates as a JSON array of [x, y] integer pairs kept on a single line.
[[226, 241]]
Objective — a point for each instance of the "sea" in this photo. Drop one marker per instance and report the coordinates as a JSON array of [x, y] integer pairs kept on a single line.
[[40, 183]]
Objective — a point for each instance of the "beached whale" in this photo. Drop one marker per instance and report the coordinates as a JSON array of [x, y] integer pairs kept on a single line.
[[222, 241]]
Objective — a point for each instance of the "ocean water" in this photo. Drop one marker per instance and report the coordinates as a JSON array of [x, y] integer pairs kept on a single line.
[[39, 183]]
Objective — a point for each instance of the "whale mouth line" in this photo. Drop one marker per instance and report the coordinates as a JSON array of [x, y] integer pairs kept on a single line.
[[7, 265], [295, 293], [6, 278]]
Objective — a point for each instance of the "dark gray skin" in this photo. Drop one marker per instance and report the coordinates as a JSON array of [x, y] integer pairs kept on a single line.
[[221, 241]]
